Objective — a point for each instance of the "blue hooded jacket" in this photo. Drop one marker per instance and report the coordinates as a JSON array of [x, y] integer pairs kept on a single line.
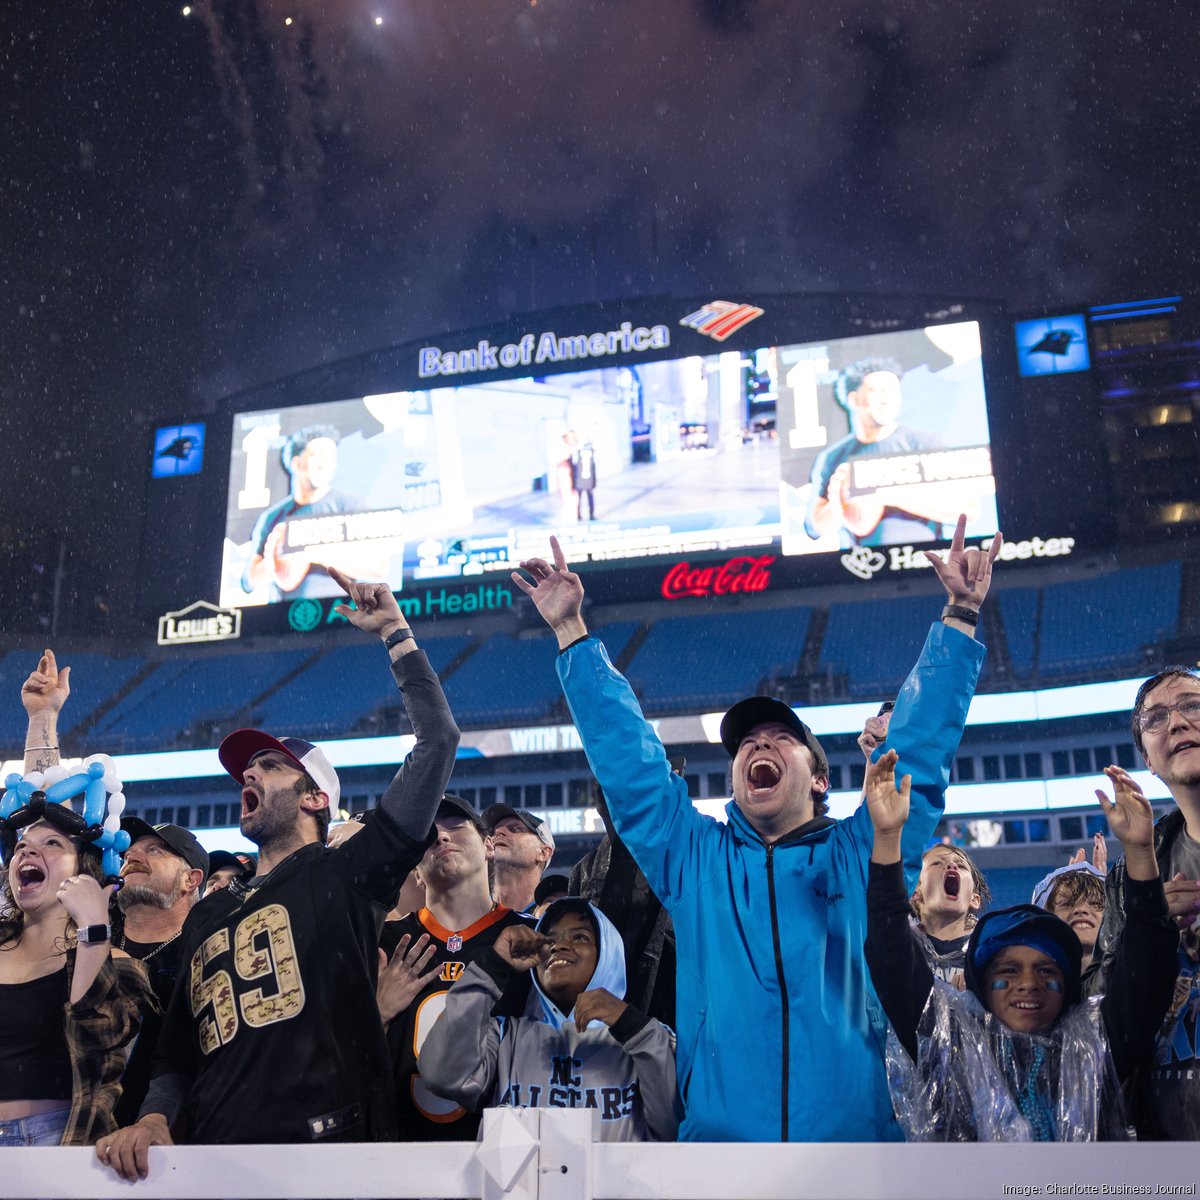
[[780, 1033]]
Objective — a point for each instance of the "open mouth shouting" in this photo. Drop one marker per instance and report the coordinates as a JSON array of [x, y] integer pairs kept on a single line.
[[1184, 745], [251, 799], [952, 884], [29, 876], [763, 774]]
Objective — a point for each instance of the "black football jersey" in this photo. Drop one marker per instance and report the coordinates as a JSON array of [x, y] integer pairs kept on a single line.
[[425, 1117], [274, 1018]]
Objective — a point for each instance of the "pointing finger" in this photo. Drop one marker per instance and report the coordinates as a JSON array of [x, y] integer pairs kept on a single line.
[[560, 559], [994, 548]]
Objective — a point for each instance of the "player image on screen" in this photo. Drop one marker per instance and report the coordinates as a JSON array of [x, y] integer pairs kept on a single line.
[[915, 451], [310, 458], [315, 487]]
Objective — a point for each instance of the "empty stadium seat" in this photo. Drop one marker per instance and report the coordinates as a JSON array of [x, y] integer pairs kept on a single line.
[[708, 661], [334, 693], [1103, 623], [876, 642]]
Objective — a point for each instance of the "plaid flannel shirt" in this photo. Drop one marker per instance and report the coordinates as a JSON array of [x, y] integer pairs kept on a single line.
[[98, 1029]]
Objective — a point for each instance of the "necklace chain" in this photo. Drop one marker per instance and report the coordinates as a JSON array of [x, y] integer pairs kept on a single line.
[[148, 957]]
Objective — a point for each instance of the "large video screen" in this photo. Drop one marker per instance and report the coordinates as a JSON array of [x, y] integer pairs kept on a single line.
[[808, 448]]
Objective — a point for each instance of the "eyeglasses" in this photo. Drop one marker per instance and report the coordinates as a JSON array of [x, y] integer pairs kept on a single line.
[[1154, 720]]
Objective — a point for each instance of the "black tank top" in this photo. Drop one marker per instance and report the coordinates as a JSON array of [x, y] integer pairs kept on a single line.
[[34, 1061]]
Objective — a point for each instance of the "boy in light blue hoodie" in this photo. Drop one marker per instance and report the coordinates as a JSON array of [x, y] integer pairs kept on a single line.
[[575, 1044]]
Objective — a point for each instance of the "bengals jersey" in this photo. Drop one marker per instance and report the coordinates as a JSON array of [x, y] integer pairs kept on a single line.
[[425, 1117]]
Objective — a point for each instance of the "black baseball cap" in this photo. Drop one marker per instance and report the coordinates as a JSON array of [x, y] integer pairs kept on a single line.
[[550, 886], [1024, 925], [456, 806], [181, 841], [495, 813], [246, 864], [747, 715]]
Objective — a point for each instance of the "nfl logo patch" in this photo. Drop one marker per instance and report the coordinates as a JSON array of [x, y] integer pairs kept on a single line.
[[454, 942]]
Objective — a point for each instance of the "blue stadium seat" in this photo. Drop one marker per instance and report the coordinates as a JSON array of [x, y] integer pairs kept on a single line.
[[330, 696], [186, 692], [709, 661], [506, 680], [1019, 613], [1103, 623], [876, 642]]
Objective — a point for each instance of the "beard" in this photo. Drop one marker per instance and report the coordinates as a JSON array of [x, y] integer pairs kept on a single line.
[[271, 821], [133, 894]]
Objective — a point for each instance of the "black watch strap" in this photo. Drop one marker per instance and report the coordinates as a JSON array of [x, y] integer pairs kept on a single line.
[[394, 639], [959, 612], [91, 935]]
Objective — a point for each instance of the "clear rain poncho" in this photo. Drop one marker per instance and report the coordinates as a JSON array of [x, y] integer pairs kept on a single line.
[[976, 1080]]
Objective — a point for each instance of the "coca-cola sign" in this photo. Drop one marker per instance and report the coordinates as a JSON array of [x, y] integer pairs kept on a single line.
[[742, 574]]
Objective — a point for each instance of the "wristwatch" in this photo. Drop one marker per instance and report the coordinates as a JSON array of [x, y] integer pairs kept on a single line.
[[93, 935]]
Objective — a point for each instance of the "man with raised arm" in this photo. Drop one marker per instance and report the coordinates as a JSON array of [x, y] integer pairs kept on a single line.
[[273, 1034], [1165, 723], [780, 1033]]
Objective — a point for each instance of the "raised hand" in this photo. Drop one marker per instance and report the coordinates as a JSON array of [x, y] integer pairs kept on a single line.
[[887, 803], [47, 688], [1131, 819], [522, 947], [85, 900], [1129, 814], [375, 609], [873, 736], [402, 977], [1099, 854], [598, 1005], [557, 593], [965, 574]]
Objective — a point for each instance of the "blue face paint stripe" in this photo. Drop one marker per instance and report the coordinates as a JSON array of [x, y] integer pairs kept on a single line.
[[999, 985], [1054, 985]]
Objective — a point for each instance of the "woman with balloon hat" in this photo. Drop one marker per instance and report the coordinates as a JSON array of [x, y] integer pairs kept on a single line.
[[69, 1002]]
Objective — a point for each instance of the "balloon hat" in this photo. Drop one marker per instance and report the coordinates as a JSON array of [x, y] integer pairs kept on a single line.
[[38, 797]]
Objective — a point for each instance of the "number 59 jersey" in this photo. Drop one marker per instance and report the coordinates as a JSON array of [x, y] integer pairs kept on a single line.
[[273, 1019]]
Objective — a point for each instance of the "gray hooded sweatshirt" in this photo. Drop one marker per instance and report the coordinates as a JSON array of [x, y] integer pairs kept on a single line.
[[625, 1075]]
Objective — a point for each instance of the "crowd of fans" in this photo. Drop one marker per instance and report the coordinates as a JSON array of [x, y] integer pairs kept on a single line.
[[781, 976]]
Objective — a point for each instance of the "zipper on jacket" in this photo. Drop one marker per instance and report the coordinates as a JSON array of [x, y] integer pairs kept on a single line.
[[784, 1037]]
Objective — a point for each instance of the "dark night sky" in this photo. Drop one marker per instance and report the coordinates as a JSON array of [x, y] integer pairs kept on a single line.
[[193, 205]]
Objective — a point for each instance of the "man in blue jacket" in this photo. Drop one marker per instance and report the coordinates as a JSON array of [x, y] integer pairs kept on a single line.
[[780, 1032]]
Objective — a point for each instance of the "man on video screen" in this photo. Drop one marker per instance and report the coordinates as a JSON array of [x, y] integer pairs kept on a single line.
[[310, 458], [869, 391]]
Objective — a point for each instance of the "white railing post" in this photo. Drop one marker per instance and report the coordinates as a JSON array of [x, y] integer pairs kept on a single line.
[[566, 1154], [508, 1154]]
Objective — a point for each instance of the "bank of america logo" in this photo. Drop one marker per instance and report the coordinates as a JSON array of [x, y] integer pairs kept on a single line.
[[721, 318]]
